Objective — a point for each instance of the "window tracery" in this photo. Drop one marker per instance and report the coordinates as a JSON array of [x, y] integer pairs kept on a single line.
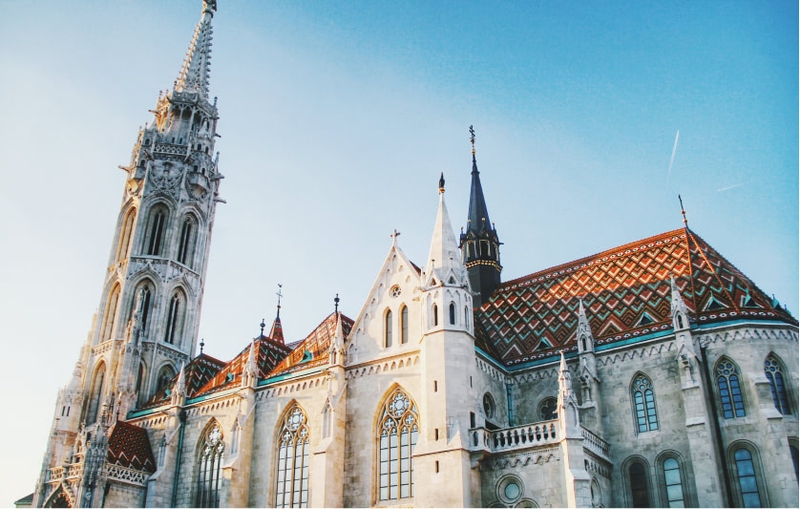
[[208, 478], [397, 435], [730, 392], [644, 401], [774, 373], [292, 487]]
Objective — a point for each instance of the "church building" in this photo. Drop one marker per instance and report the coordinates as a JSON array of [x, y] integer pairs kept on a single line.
[[651, 374]]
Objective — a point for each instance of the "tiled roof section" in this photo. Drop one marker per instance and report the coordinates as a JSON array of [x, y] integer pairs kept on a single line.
[[313, 350], [269, 353], [129, 447], [626, 293], [198, 372]]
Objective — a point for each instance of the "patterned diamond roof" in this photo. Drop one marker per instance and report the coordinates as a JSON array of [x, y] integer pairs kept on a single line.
[[269, 354], [198, 372], [313, 350], [626, 293], [129, 447]]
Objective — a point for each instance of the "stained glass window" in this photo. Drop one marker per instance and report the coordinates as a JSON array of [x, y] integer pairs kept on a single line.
[[772, 368]]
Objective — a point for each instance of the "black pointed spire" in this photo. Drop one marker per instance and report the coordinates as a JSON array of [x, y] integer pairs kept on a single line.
[[480, 246]]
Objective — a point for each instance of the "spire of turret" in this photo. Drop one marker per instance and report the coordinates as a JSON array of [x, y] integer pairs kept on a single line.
[[194, 75], [584, 332], [443, 255], [276, 332], [678, 309], [479, 244]]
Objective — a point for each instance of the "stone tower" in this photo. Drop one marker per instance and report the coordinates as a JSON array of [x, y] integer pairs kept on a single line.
[[146, 325], [480, 246]]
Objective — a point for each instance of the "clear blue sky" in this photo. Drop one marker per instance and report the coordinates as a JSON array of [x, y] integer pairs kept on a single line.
[[336, 119]]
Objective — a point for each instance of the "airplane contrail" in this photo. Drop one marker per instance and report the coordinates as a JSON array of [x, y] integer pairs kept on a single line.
[[730, 187], [672, 158]]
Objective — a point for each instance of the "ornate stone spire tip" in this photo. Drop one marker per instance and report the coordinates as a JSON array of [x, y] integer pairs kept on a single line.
[[441, 183], [472, 139]]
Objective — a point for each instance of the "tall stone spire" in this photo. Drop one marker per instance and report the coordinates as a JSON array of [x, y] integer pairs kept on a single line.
[[480, 245], [276, 332], [194, 75]]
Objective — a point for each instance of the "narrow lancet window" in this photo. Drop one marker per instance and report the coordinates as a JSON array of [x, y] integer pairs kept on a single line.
[[185, 244], [404, 325], [452, 314], [387, 329], [774, 373], [156, 234]]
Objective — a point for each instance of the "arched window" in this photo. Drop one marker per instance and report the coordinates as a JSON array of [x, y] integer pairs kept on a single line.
[[548, 409], [165, 374], [327, 420], [772, 368], [644, 404], [155, 232], [387, 328], [111, 312], [175, 315], [640, 493], [673, 484], [730, 392], [488, 405], [210, 462], [292, 489], [186, 243], [397, 435], [404, 325], [97, 393], [435, 315], [452, 314], [746, 477], [140, 380], [125, 234]]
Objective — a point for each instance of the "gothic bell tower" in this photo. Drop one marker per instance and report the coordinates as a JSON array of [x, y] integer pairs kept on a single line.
[[147, 320]]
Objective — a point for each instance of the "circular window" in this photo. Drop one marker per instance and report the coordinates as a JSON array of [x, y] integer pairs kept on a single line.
[[395, 291], [548, 409], [510, 489], [488, 405]]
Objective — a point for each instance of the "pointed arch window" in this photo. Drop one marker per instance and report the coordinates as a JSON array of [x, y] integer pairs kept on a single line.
[[387, 328], [774, 373], [404, 325], [175, 316], [644, 404], [397, 435], [96, 394], [747, 481], [673, 484], [452, 314], [640, 492], [155, 232], [730, 392], [212, 449], [187, 241], [111, 312], [292, 488], [164, 376], [435, 315], [125, 234]]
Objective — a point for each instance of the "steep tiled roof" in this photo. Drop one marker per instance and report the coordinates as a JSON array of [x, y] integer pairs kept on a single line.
[[198, 372], [626, 293], [313, 350], [269, 354], [129, 447]]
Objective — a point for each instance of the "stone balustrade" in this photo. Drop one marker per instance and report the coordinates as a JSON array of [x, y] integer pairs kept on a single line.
[[519, 437], [595, 444]]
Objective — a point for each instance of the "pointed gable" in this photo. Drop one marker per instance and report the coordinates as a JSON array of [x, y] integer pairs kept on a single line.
[[534, 316], [198, 372], [268, 354], [313, 350], [129, 447]]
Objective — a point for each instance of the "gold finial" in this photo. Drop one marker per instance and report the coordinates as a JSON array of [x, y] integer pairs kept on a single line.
[[472, 138], [683, 212]]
